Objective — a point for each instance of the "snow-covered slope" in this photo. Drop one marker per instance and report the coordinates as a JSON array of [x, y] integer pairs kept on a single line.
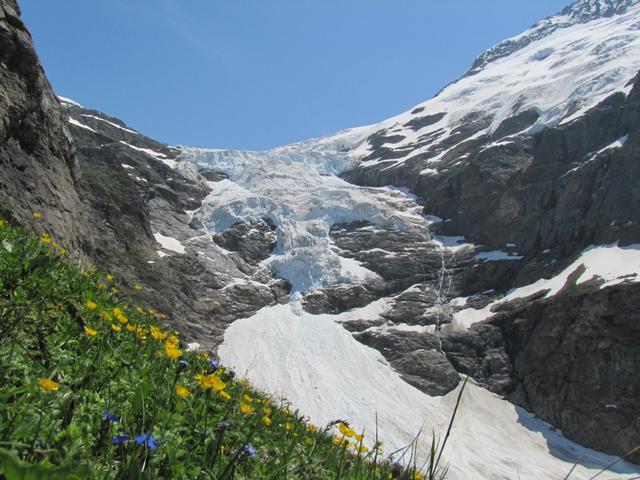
[[559, 69], [318, 366]]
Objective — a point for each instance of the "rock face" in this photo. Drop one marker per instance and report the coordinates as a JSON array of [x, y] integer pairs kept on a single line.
[[572, 359], [39, 170], [113, 198]]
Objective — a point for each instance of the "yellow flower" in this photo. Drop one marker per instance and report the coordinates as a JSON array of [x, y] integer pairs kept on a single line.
[[340, 441], [62, 251], [90, 305], [312, 428], [132, 327], [248, 398], [418, 476], [360, 448], [3, 222], [288, 425], [109, 277], [115, 328], [114, 290], [140, 310], [246, 409], [182, 391], [137, 287], [106, 316], [37, 215], [116, 311], [267, 410], [215, 383], [172, 352], [48, 385], [224, 395], [157, 333], [359, 437], [173, 340], [55, 244], [121, 318], [90, 331], [266, 420], [346, 431], [45, 238]]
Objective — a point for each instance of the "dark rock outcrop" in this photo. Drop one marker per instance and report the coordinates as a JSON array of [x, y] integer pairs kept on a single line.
[[39, 170]]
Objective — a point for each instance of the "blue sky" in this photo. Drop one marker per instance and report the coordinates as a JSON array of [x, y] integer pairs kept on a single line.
[[255, 74]]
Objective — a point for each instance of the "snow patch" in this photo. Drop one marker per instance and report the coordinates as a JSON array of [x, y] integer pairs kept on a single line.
[[169, 243], [318, 366], [75, 122], [111, 123]]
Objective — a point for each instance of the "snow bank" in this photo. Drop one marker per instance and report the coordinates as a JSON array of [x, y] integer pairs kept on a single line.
[[318, 366], [611, 264], [169, 243]]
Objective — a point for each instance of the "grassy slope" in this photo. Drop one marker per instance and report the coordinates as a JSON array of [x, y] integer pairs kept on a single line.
[[73, 351]]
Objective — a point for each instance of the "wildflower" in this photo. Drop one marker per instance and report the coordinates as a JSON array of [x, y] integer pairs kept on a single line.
[[111, 417], [224, 395], [183, 364], [116, 311], [288, 425], [248, 398], [137, 287], [132, 327], [48, 385], [109, 278], [172, 352], [214, 382], [266, 420], [182, 391], [418, 476], [267, 410], [140, 310], [312, 428], [246, 409], [3, 222], [157, 333], [114, 290], [249, 450], [360, 448], [62, 251], [90, 305], [215, 364], [45, 239], [115, 328], [37, 215], [359, 437], [118, 439], [90, 331], [340, 441], [346, 431], [223, 426], [106, 316], [149, 440], [173, 340]]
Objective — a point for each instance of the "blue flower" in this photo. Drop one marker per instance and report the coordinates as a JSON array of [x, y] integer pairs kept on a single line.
[[118, 439], [110, 416], [249, 450], [183, 364], [214, 363], [149, 440]]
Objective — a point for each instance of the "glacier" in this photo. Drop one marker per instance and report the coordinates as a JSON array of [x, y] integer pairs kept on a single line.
[[317, 365]]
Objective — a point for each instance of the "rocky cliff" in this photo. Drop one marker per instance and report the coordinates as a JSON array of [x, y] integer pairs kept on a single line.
[[508, 254]]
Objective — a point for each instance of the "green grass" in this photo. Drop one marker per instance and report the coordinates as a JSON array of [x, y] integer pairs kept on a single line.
[[74, 356]]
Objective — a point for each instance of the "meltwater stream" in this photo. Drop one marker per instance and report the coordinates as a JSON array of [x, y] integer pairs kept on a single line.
[[316, 364]]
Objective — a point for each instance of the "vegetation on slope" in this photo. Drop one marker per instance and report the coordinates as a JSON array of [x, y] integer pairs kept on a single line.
[[95, 387]]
